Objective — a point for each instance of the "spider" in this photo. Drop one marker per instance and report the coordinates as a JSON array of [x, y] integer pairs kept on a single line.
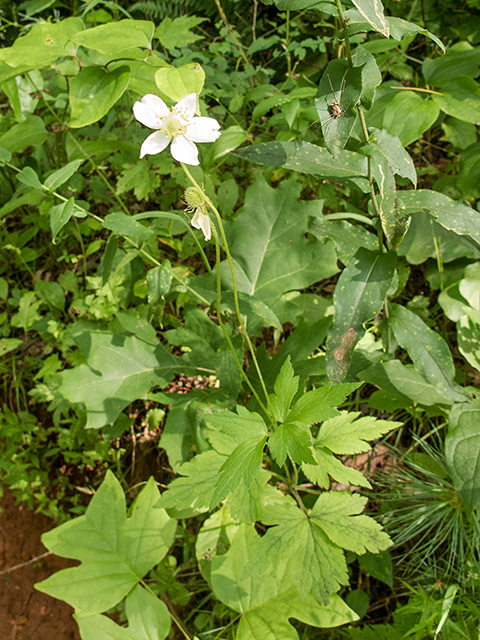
[[335, 107]]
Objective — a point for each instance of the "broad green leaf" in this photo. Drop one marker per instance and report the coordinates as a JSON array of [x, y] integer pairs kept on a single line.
[[117, 36], [231, 138], [119, 370], [358, 297], [400, 29], [30, 178], [372, 11], [269, 249], [395, 154], [452, 65], [27, 314], [8, 344], [339, 90], [124, 225], [394, 221], [176, 33], [148, 619], [177, 82], [237, 427], [49, 41], [403, 114], [469, 174], [93, 92], [190, 495], [5, 156], [469, 285], [348, 238], [60, 214], [29, 133], [159, 280], [346, 434], [327, 466], [378, 565], [242, 465], [462, 450], [109, 257], [59, 177], [319, 405], [468, 336], [116, 552], [405, 383], [428, 351], [291, 439], [286, 386], [455, 215], [306, 551], [371, 75], [460, 98], [306, 158], [335, 513], [52, 293], [216, 535], [265, 602]]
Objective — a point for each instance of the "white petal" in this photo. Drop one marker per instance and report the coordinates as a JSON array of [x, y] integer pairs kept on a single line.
[[188, 104], [156, 104], [184, 150], [201, 221], [149, 110], [155, 143], [203, 130]]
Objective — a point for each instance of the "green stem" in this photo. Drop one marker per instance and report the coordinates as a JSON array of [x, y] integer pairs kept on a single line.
[[234, 283], [376, 208], [221, 323], [82, 246], [348, 49]]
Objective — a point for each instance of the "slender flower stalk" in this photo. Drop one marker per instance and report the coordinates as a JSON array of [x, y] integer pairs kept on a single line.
[[234, 283]]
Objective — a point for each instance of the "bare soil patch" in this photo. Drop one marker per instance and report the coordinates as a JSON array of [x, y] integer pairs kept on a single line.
[[25, 613]]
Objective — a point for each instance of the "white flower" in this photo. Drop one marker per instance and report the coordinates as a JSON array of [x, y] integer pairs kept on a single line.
[[177, 125], [196, 200], [201, 221]]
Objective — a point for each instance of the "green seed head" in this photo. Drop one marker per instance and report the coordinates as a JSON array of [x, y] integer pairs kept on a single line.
[[195, 199]]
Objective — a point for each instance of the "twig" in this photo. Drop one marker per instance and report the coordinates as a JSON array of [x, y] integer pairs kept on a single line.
[[24, 564]]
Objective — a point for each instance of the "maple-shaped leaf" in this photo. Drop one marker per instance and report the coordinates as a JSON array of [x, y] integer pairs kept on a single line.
[[311, 546], [265, 602], [347, 435], [119, 370], [148, 619], [270, 251], [319, 405], [115, 552], [286, 386]]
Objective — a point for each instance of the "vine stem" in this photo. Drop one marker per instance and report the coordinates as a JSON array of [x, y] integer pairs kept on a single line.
[[234, 283]]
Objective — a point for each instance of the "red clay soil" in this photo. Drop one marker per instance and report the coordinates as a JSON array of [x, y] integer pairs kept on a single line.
[[25, 613]]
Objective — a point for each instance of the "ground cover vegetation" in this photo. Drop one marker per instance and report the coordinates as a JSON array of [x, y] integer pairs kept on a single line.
[[243, 375]]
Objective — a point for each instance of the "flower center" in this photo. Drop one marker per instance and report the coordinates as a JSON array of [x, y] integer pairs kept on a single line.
[[175, 124]]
